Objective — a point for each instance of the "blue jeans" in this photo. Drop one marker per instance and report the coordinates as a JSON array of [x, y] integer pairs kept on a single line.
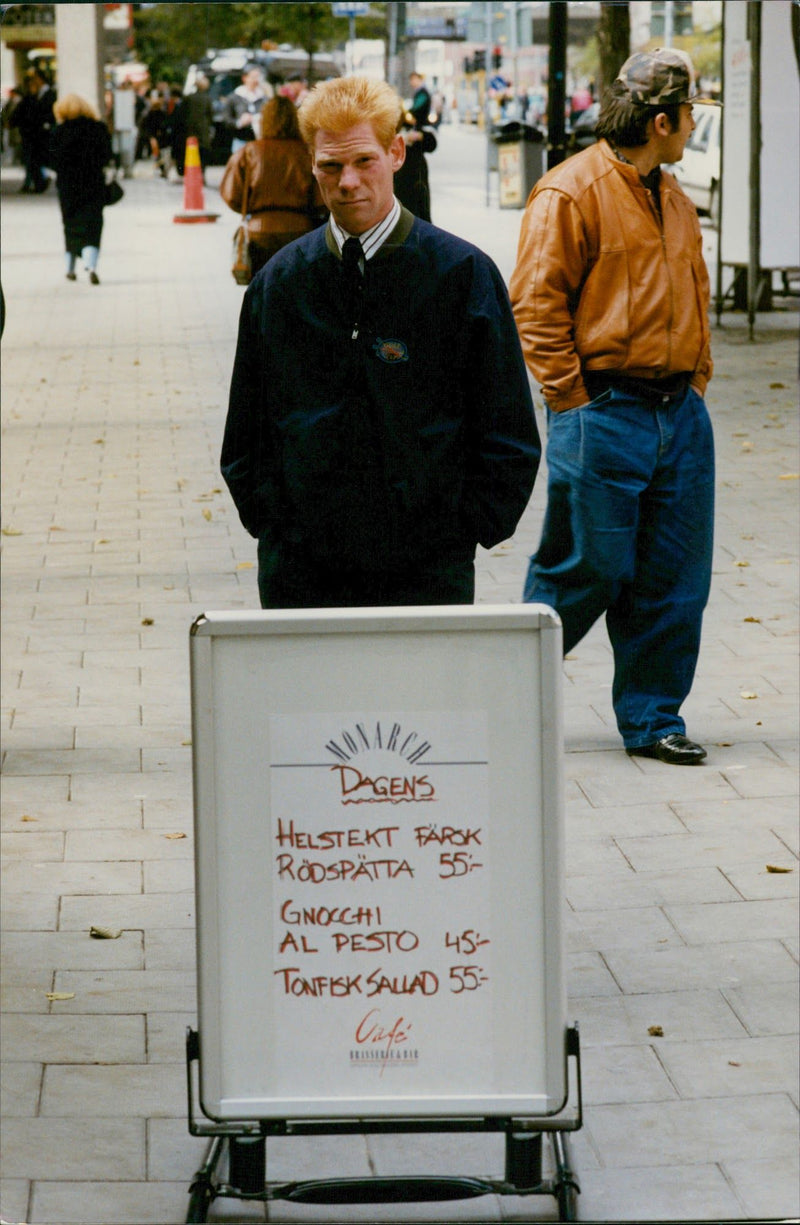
[[629, 532]]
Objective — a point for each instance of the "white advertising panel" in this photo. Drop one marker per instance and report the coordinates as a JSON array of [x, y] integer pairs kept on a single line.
[[779, 162], [780, 129], [378, 824]]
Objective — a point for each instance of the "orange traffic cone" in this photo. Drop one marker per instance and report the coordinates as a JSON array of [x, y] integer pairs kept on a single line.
[[193, 206]]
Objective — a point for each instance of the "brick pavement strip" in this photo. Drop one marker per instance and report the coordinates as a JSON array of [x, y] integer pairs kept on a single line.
[[117, 533]]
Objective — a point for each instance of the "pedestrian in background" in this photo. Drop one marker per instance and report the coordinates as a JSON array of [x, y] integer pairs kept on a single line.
[[610, 294], [411, 182], [271, 180], [380, 423], [194, 116], [153, 128], [420, 105], [80, 151], [33, 118], [242, 110], [295, 88]]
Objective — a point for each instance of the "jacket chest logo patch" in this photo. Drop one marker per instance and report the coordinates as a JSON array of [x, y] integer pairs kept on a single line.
[[391, 351]]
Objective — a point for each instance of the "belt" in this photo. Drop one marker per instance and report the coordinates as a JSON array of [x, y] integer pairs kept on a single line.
[[654, 391]]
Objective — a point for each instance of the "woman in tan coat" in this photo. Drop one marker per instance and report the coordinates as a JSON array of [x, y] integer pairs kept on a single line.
[[270, 180]]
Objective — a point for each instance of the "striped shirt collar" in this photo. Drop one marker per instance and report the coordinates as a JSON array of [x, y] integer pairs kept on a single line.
[[373, 239]]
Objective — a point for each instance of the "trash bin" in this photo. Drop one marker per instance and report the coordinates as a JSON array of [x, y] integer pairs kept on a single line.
[[520, 149]]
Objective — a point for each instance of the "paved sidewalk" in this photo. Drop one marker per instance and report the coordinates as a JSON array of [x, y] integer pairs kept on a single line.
[[117, 534]]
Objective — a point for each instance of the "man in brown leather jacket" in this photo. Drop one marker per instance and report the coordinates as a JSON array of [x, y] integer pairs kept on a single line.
[[610, 295]]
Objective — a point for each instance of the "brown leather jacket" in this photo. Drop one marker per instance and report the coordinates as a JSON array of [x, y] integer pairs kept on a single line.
[[602, 284], [282, 193]]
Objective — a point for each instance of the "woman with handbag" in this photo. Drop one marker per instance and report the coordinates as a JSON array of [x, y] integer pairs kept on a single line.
[[80, 151], [269, 181]]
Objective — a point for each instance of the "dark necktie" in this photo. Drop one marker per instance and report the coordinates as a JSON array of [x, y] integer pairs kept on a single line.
[[352, 254]]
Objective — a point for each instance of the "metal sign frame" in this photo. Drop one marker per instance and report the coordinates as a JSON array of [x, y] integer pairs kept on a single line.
[[260, 679]]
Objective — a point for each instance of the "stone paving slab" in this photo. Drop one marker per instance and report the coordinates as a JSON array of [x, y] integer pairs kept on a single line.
[[68, 1039], [117, 534], [68, 950], [98, 1148]]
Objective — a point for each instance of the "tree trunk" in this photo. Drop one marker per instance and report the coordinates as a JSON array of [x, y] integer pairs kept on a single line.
[[613, 40]]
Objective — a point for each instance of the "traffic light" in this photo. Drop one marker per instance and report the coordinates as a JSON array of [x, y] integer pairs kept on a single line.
[[497, 57], [480, 61]]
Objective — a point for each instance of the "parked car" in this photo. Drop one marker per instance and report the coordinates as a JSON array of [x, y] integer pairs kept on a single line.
[[698, 170], [224, 70]]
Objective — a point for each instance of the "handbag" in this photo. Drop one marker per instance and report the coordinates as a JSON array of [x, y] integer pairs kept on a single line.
[[241, 266], [112, 193]]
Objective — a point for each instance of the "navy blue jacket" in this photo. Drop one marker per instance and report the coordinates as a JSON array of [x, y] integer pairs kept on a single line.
[[381, 433]]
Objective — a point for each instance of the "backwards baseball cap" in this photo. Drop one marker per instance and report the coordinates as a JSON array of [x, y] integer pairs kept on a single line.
[[664, 77]]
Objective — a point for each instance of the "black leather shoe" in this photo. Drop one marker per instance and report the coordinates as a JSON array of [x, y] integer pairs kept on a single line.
[[675, 749]]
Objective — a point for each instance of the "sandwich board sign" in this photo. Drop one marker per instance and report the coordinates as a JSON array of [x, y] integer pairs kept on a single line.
[[378, 824]]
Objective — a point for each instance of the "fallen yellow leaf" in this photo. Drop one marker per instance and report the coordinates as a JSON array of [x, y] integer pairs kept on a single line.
[[174, 836], [773, 867], [60, 995], [754, 620], [104, 933], [655, 1031], [789, 476], [206, 514], [748, 695]]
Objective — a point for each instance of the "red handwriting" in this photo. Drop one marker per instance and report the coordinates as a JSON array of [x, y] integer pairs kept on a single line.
[[466, 942], [382, 789], [326, 916], [369, 1030], [290, 942], [425, 982], [337, 985], [456, 863], [376, 942], [314, 873], [466, 978], [446, 836], [334, 839]]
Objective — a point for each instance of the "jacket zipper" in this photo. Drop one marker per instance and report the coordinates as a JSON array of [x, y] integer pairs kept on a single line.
[[660, 223]]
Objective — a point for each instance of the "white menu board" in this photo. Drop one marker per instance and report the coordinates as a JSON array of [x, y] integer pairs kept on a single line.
[[378, 824]]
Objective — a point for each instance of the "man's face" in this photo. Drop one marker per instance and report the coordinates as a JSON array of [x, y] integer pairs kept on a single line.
[[252, 80], [675, 142], [356, 175]]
